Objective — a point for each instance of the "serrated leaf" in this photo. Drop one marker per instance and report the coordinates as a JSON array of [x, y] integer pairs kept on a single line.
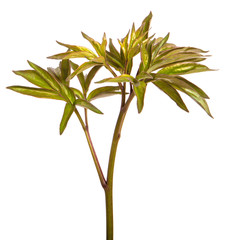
[[103, 92], [36, 92], [122, 78], [91, 75], [68, 111], [96, 45], [183, 68], [140, 89], [85, 104], [33, 77], [45, 75], [171, 92]]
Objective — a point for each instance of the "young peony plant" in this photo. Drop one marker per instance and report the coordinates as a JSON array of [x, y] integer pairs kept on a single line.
[[161, 65]]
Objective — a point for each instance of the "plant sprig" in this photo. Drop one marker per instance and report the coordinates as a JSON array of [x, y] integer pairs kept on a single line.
[[161, 64]]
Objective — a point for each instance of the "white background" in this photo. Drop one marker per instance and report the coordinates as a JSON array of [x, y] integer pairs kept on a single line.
[[175, 171]]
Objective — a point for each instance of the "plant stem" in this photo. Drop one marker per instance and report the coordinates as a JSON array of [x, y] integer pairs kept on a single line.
[[93, 153], [109, 187]]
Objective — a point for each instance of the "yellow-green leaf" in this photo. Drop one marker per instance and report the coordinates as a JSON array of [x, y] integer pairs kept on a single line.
[[144, 28], [122, 78], [171, 92], [80, 76], [45, 75], [113, 50], [103, 92], [77, 48], [77, 92], [96, 45], [140, 89], [85, 104], [65, 70], [33, 77], [36, 92], [91, 75], [72, 54], [67, 93], [183, 68], [68, 111], [158, 46], [84, 66]]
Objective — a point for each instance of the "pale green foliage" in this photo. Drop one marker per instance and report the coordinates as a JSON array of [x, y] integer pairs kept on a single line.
[[161, 64]]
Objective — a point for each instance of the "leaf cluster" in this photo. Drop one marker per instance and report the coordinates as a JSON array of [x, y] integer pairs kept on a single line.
[[161, 64]]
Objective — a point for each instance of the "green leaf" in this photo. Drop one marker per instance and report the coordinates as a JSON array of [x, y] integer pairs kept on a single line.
[[145, 57], [68, 93], [85, 104], [143, 76], [56, 73], [113, 50], [77, 48], [140, 89], [159, 46], [133, 35], [72, 54], [65, 70], [33, 77], [182, 83], [122, 78], [190, 89], [144, 28], [68, 111], [80, 76], [179, 50], [104, 44], [36, 92], [177, 58], [103, 92], [200, 100], [133, 52], [171, 92], [85, 66], [91, 75], [77, 92], [96, 45], [184, 68], [45, 75], [114, 61], [193, 86]]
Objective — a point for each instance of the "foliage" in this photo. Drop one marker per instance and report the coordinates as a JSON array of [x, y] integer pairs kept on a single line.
[[162, 64]]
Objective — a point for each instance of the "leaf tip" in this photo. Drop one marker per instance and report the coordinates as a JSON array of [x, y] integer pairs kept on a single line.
[[61, 131]]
